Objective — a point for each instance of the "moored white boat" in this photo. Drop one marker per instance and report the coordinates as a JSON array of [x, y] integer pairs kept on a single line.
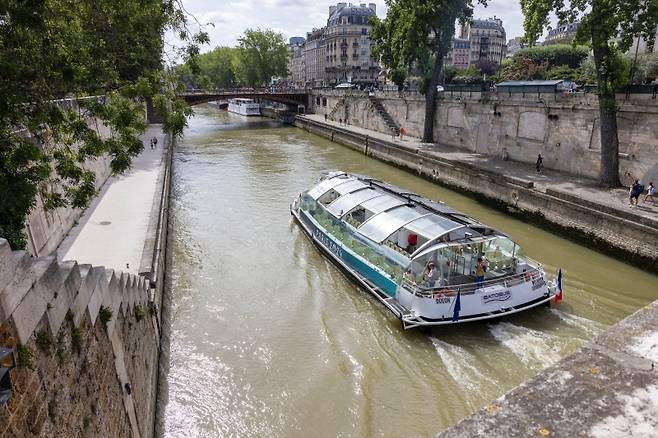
[[244, 107], [427, 263]]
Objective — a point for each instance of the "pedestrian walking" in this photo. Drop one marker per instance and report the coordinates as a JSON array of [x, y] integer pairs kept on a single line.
[[651, 191], [155, 142], [540, 163], [634, 193], [151, 143], [340, 122], [325, 117], [402, 132]]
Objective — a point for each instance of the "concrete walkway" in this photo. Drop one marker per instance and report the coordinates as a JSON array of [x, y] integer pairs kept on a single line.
[[113, 229], [579, 187]]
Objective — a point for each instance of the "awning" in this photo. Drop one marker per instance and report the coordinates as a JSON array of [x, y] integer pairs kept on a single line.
[[382, 225], [347, 202]]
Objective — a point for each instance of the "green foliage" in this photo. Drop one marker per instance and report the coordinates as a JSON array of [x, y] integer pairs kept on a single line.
[[419, 33], [563, 72], [554, 55], [74, 49], [646, 68], [105, 315], [608, 27], [139, 313], [25, 357], [215, 69], [262, 55], [398, 76], [76, 339], [44, 340]]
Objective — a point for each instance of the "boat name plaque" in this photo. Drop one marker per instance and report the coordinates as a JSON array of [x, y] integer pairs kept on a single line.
[[497, 294], [328, 243]]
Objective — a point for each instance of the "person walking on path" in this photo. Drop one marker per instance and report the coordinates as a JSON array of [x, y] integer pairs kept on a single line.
[[651, 191], [402, 132], [540, 163], [155, 142], [151, 143], [635, 192]]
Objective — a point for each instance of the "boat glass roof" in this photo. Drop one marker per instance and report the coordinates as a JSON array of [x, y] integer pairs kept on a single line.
[[347, 202], [432, 226], [327, 184], [383, 203], [349, 186], [382, 225]]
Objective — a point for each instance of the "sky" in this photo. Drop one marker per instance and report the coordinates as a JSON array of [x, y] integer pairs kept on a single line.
[[296, 17]]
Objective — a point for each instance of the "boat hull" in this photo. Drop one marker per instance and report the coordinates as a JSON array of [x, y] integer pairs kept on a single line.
[[413, 310]]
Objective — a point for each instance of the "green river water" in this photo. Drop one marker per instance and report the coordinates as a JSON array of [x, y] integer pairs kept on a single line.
[[267, 337]]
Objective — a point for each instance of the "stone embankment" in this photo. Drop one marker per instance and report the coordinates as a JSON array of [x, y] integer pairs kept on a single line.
[[563, 127], [609, 388], [85, 343], [586, 216]]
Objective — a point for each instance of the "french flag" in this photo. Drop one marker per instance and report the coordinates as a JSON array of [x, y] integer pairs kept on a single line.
[[558, 287]]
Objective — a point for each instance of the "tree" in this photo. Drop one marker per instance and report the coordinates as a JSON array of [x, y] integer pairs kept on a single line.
[[54, 49], [415, 31], [262, 55], [609, 27]]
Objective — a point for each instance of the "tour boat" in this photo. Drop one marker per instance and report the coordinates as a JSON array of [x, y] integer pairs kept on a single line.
[[423, 260], [244, 107]]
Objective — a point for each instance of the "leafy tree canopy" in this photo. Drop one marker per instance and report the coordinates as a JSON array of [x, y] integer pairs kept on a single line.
[[419, 32], [54, 49], [215, 69], [608, 27], [262, 55]]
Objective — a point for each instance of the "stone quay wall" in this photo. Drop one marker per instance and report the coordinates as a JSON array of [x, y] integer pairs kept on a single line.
[[85, 344], [634, 240], [46, 229], [563, 127]]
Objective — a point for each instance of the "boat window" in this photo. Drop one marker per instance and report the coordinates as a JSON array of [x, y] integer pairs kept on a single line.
[[388, 222], [431, 226], [328, 197], [347, 202]]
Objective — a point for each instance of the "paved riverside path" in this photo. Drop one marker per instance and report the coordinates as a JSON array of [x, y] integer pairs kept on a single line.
[[580, 187], [113, 229]]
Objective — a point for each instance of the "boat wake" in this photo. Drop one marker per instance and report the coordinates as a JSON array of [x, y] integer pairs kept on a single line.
[[536, 349], [460, 366], [591, 328]]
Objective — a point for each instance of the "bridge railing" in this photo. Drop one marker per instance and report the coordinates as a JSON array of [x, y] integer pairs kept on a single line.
[[246, 91]]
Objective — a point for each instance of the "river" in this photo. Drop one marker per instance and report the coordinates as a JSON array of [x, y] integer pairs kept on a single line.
[[268, 338]]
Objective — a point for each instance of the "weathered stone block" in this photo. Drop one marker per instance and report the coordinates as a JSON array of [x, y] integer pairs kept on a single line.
[[96, 297], [29, 312], [59, 306], [532, 125]]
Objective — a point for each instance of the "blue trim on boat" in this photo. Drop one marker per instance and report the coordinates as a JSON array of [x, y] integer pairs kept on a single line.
[[353, 260]]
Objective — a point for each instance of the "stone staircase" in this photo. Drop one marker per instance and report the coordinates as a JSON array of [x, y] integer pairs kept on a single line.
[[334, 110], [390, 122]]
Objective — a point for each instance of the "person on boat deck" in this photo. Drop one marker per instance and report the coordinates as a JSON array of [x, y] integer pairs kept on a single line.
[[480, 269], [429, 276], [408, 276]]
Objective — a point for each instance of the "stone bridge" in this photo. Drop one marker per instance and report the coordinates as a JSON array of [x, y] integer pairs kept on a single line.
[[288, 97]]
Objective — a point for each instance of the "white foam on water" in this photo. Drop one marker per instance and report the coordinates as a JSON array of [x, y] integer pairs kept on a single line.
[[537, 350], [459, 364], [592, 328]]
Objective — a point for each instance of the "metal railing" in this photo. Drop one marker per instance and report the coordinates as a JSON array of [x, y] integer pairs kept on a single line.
[[474, 287]]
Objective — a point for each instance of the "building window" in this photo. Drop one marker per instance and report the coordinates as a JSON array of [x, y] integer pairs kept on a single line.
[[364, 31]]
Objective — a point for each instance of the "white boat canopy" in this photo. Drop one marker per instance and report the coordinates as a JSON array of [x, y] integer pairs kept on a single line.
[[346, 203], [377, 205], [349, 186], [325, 185], [433, 226], [382, 225]]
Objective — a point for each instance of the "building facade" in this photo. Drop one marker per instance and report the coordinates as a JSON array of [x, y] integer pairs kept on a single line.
[[563, 34], [478, 40], [314, 58], [513, 46], [347, 45], [295, 59]]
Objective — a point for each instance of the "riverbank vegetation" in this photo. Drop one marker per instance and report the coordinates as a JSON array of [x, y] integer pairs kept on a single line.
[[260, 56], [68, 67]]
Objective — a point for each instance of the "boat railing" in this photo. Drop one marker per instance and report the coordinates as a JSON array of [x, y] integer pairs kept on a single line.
[[474, 287]]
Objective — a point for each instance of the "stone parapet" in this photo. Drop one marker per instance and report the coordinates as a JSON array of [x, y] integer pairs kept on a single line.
[[73, 362]]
